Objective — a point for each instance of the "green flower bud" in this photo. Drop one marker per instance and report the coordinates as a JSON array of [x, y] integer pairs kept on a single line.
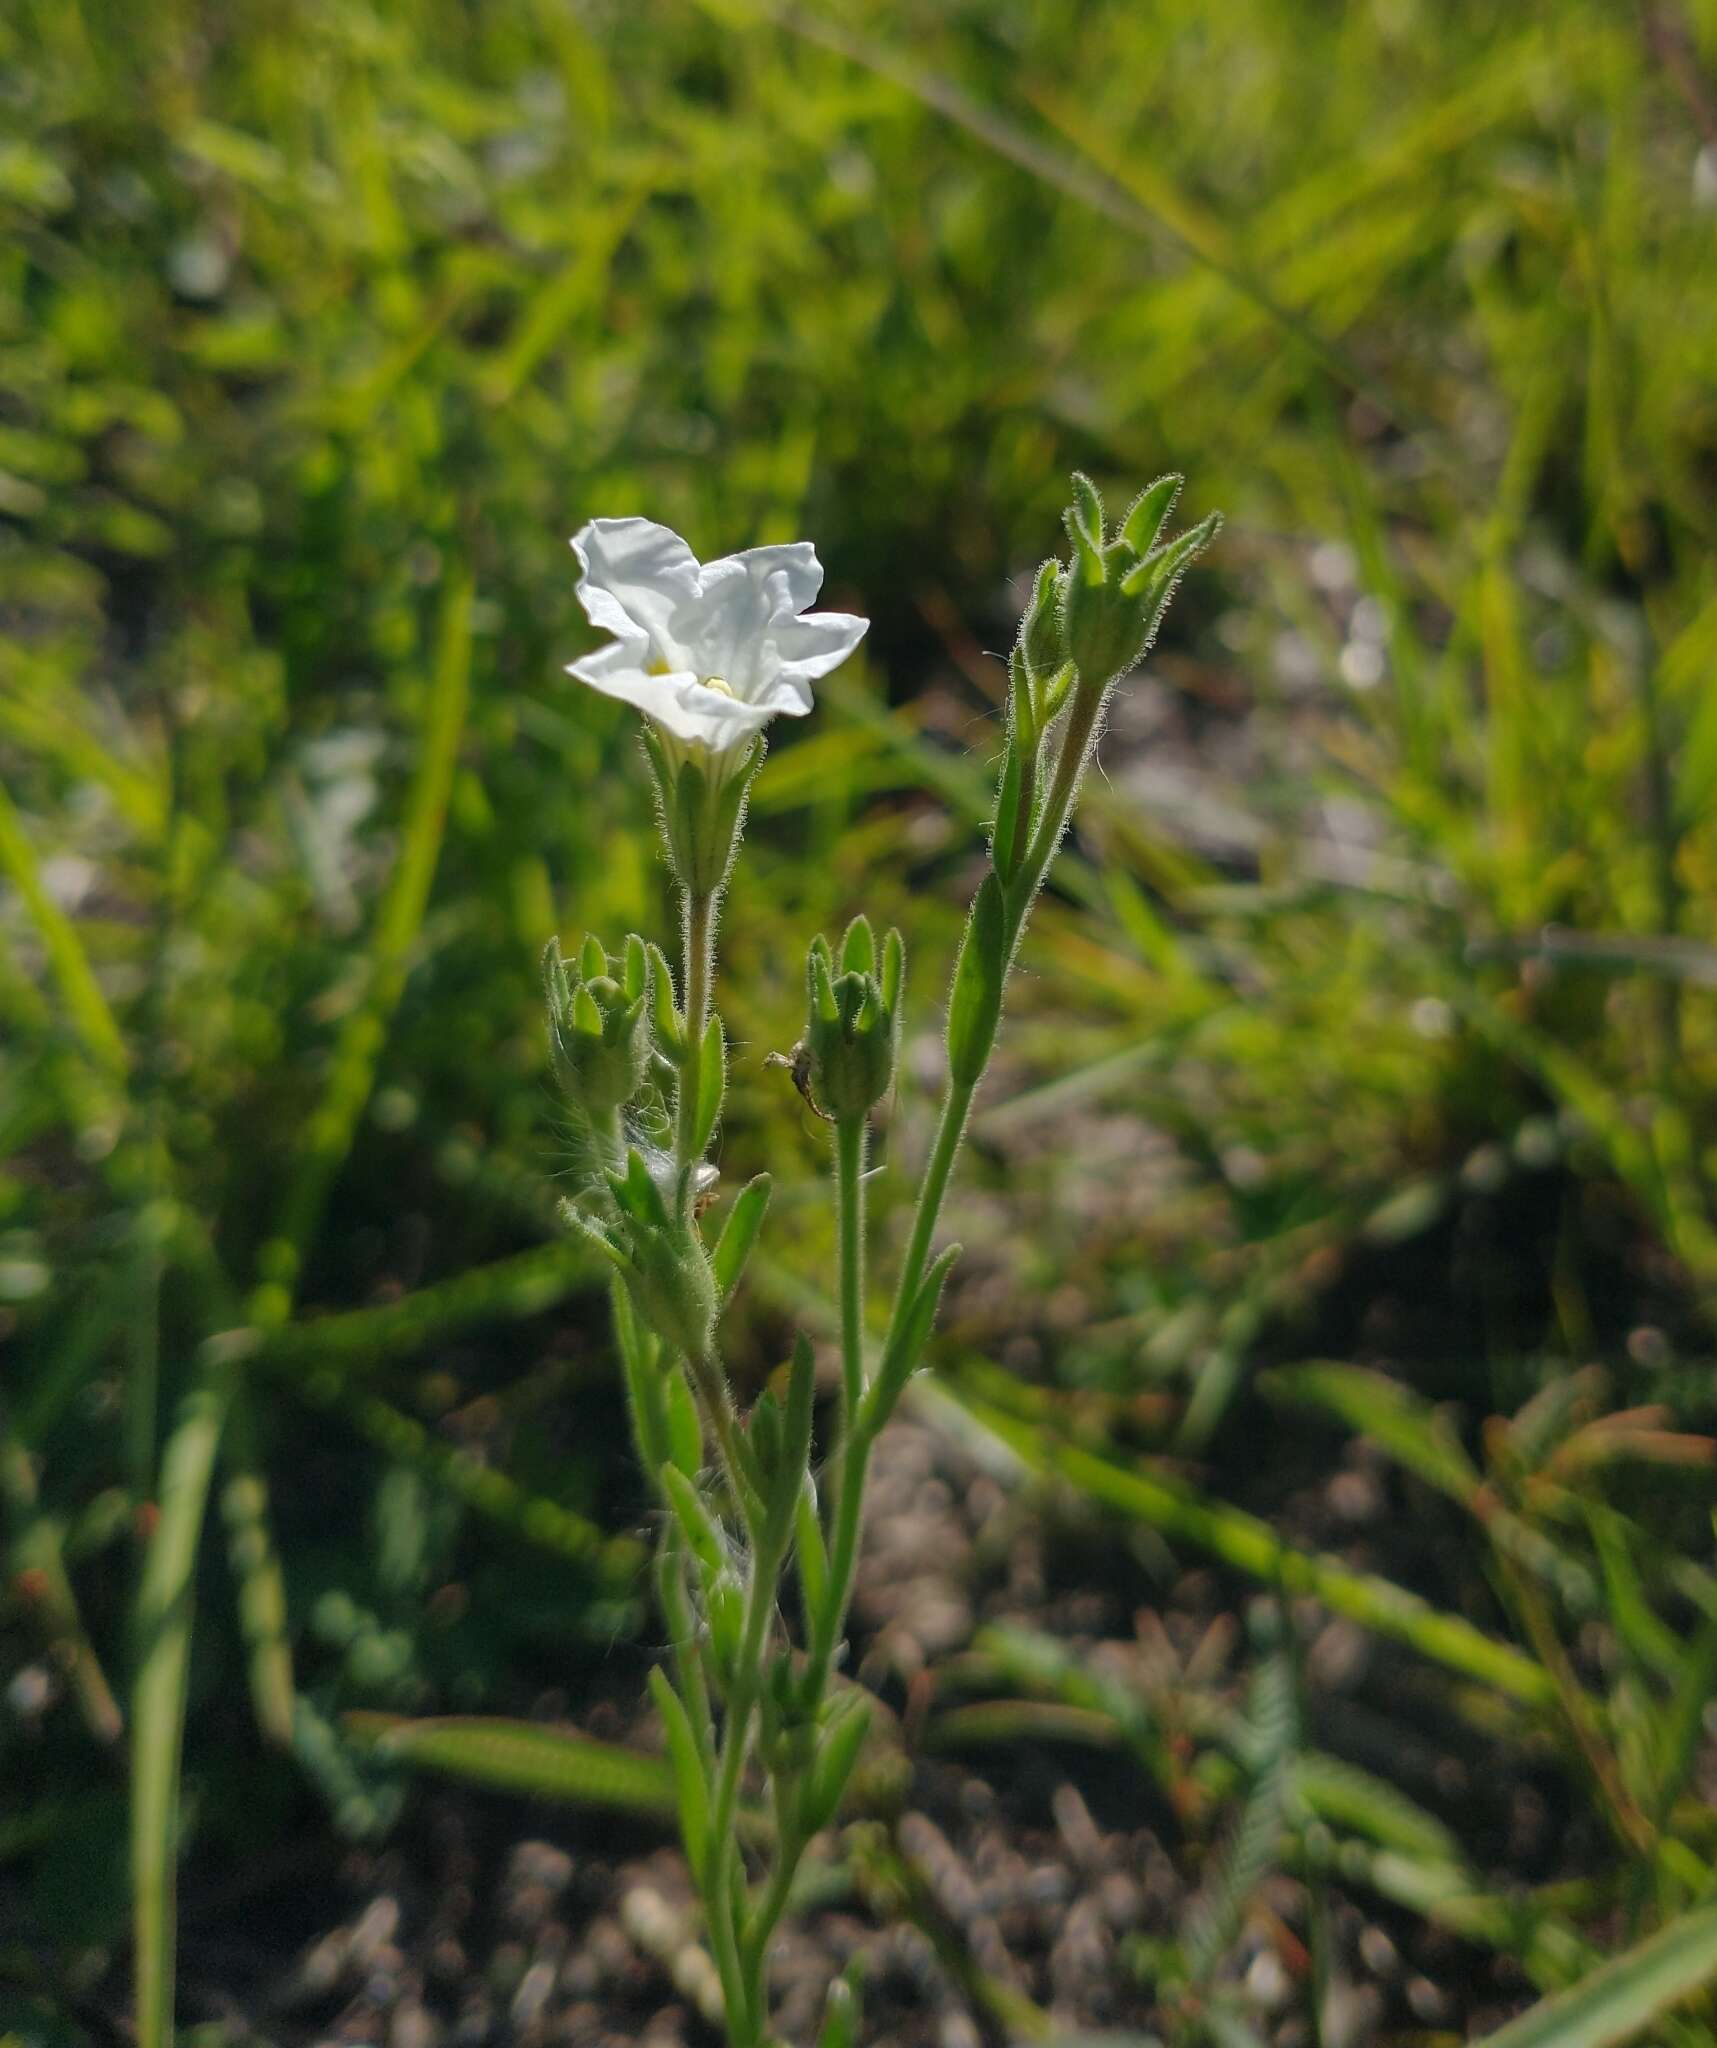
[[852, 1029], [1113, 597], [597, 1023]]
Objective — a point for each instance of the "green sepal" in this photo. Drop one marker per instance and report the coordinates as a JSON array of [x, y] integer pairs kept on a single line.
[[975, 1004], [819, 981], [586, 1017], [1084, 520], [712, 1085], [738, 1235], [635, 968], [893, 973], [858, 949], [594, 1235], [1156, 576], [1148, 514], [1040, 635], [1056, 691], [691, 1788]]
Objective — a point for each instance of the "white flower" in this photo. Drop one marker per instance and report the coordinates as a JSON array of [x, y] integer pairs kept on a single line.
[[711, 651]]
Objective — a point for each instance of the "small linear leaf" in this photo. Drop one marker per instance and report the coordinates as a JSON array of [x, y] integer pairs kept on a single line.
[[521, 1756], [739, 1234], [712, 1085], [690, 1787]]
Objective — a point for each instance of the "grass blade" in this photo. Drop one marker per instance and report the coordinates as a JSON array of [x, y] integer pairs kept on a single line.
[[1623, 1995], [165, 1602], [1252, 1546]]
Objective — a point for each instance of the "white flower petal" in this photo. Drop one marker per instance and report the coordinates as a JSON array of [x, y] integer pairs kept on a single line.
[[812, 646], [674, 698], [638, 578], [680, 628], [790, 575]]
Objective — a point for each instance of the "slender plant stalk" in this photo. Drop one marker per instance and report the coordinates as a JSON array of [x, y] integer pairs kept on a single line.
[[701, 909], [849, 1205]]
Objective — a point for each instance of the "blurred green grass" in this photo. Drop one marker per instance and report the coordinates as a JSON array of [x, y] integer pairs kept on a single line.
[[1399, 903]]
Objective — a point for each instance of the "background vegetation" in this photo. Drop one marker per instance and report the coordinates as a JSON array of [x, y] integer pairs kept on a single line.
[[1361, 1085]]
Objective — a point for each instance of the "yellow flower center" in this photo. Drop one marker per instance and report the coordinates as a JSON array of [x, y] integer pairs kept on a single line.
[[661, 668]]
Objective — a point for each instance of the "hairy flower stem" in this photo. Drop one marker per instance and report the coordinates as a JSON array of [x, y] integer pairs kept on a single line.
[[849, 1201], [709, 1382], [1077, 740], [698, 936]]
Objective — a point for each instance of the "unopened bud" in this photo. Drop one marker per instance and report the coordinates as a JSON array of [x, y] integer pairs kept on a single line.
[[852, 1026], [597, 1023]]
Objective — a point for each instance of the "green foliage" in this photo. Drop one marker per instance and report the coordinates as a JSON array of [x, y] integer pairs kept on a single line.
[[1395, 931]]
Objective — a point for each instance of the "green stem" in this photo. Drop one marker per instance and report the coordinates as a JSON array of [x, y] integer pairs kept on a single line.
[[761, 1921], [1077, 739], [950, 1130], [745, 2027], [849, 1200], [715, 1396], [698, 939]]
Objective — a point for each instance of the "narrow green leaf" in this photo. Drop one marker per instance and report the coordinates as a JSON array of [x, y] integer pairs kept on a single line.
[[1402, 1422], [1623, 1995], [690, 1786], [738, 1235], [901, 1360], [685, 1431], [522, 1756], [712, 1084], [796, 1421], [163, 1631], [1165, 1502], [975, 1003], [695, 1519], [837, 1752], [813, 1556], [669, 1024], [1005, 848]]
